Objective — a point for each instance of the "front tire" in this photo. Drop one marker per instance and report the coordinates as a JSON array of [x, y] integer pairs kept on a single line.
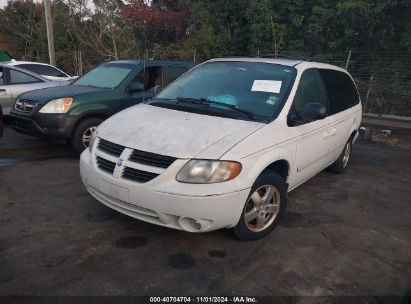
[[82, 133], [264, 208]]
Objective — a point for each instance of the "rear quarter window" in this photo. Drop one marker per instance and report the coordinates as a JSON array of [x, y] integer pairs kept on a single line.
[[341, 91]]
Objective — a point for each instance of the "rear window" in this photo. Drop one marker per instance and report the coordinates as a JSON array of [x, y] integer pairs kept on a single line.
[[341, 91]]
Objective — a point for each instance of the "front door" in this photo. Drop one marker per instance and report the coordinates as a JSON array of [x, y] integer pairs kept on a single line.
[[314, 138], [150, 77], [21, 82]]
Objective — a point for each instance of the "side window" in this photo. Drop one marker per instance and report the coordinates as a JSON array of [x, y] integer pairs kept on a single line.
[[17, 77], [42, 69], [30, 67], [2, 76], [172, 73], [153, 76], [341, 90], [310, 89]]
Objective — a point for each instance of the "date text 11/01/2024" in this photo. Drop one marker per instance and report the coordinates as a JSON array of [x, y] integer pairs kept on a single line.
[[238, 299]]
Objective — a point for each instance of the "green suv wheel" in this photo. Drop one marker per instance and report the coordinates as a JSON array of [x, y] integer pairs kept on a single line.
[[82, 133]]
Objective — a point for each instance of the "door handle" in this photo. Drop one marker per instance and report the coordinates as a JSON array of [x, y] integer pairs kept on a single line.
[[2, 90], [327, 134], [330, 133]]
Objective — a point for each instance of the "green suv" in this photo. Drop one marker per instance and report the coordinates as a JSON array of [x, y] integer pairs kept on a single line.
[[73, 112]]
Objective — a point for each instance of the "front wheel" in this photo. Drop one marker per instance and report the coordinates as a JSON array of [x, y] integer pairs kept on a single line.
[[264, 208], [82, 134]]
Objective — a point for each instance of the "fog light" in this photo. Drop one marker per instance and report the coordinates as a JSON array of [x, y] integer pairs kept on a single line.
[[195, 224]]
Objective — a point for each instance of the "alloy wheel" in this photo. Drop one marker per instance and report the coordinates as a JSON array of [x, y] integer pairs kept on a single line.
[[262, 208], [347, 153]]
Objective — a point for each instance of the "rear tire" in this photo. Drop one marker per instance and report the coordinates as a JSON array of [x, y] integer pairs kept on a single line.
[[340, 165], [261, 213], [82, 133]]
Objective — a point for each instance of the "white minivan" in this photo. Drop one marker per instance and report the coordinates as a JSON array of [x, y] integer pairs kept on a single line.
[[222, 145]]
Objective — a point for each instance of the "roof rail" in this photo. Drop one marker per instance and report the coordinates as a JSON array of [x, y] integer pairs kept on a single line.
[[293, 57]]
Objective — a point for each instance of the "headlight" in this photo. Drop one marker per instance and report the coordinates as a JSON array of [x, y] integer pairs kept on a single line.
[[61, 105], [92, 140], [198, 171]]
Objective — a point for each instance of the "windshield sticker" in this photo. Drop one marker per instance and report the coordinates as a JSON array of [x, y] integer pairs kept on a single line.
[[272, 100], [270, 86]]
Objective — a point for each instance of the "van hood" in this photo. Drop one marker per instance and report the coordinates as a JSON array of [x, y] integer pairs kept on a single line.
[[175, 133], [47, 94]]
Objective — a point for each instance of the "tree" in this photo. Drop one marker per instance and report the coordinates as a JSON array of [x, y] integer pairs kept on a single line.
[[103, 30], [159, 23], [21, 25]]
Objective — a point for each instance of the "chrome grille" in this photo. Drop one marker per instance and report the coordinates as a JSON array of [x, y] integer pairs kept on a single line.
[[105, 165], [24, 105], [127, 168], [110, 148], [151, 159], [138, 175]]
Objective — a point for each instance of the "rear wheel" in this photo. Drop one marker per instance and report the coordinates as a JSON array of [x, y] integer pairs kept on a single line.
[[264, 208], [341, 163], [82, 133]]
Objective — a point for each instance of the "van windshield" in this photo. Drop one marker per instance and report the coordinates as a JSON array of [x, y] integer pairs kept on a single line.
[[256, 90], [105, 76]]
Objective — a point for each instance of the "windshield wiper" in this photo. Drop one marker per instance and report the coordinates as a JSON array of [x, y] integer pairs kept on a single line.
[[89, 85], [204, 101]]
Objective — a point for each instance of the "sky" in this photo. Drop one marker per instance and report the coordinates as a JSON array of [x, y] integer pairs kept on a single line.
[[3, 3]]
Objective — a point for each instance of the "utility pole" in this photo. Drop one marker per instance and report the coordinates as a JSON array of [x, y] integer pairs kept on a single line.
[[348, 60], [50, 37]]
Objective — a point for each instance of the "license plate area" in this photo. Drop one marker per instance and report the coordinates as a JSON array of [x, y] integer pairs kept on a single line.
[[115, 191]]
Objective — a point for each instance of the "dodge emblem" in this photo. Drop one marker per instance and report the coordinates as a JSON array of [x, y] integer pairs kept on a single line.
[[120, 162]]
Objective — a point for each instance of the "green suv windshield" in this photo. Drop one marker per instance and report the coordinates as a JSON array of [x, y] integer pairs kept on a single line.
[[106, 76], [256, 90]]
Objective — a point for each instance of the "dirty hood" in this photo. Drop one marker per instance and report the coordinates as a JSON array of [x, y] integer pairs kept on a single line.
[[47, 94], [175, 133]]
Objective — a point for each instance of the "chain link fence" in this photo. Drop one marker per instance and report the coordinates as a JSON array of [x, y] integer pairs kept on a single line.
[[383, 78]]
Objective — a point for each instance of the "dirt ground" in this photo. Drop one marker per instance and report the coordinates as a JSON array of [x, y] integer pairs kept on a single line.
[[344, 234]]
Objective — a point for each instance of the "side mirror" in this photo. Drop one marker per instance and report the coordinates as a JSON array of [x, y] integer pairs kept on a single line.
[[312, 111], [135, 87], [157, 89]]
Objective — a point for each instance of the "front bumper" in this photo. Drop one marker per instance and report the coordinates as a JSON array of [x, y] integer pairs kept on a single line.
[[179, 211], [42, 125]]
